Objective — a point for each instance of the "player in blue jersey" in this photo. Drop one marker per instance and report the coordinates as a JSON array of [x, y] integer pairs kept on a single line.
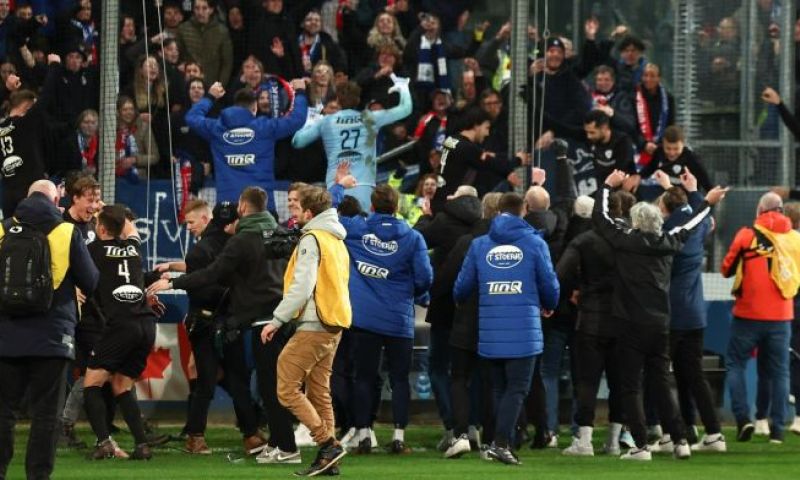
[[349, 136]]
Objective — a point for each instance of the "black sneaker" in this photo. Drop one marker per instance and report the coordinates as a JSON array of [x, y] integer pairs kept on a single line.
[[398, 447], [104, 450], [364, 447], [69, 439], [142, 452], [540, 440], [327, 458], [332, 472], [504, 455], [744, 432]]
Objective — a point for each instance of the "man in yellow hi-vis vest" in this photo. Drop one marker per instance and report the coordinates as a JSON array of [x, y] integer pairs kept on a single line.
[[315, 295]]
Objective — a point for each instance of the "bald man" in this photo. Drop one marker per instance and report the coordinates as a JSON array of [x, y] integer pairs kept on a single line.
[[763, 312], [35, 350]]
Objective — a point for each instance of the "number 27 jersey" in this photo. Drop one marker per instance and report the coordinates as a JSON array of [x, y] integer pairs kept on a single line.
[[120, 292]]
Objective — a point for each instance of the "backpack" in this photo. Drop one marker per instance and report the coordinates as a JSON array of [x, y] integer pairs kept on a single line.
[[780, 254], [26, 276]]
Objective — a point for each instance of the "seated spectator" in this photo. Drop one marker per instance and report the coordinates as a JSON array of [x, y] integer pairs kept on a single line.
[[206, 40], [375, 80], [272, 38], [135, 145], [79, 149], [616, 104], [385, 31], [655, 109], [316, 45], [78, 87], [674, 158]]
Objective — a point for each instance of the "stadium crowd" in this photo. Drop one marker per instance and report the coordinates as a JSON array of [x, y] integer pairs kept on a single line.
[[243, 95]]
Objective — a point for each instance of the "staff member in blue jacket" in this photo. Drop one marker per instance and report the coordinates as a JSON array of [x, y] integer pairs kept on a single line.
[[688, 311], [243, 145], [389, 267], [512, 271]]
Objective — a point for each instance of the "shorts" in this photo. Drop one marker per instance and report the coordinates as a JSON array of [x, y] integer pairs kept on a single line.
[[85, 340], [124, 347]]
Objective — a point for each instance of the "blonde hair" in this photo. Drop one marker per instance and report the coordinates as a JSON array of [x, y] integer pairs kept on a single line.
[[375, 39], [158, 95]]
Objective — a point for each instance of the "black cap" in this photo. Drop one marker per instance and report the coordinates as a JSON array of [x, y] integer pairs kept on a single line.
[[554, 42], [225, 213], [76, 48]]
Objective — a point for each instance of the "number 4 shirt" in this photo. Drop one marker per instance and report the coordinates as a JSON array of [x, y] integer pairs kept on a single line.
[[120, 292]]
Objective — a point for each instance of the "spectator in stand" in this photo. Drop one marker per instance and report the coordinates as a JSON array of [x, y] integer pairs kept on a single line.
[[25, 30], [6, 20], [168, 55], [237, 30], [431, 131], [272, 38], [389, 269], [375, 79], [720, 58], [618, 105], [136, 147], [411, 205], [514, 289], [762, 311], [494, 57], [457, 217], [566, 102], [78, 28], [206, 40], [79, 149], [385, 31], [127, 43], [173, 17], [316, 45], [23, 143], [425, 58], [320, 89], [77, 88], [189, 145], [655, 111], [149, 93], [631, 64], [402, 10], [192, 69], [674, 158], [491, 102]]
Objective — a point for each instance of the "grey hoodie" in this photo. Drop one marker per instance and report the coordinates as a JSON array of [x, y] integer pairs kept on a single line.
[[300, 294]]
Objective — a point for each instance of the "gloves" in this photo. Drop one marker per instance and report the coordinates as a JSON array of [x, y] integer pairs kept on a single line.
[[560, 146], [399, 83]]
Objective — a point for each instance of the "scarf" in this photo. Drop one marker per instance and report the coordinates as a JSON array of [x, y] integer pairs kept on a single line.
[[438, 139], [636, 73], [311, 52], [88, 148], [89, 39], [126, 146], [432, 65], [643, 115], [601, 99]]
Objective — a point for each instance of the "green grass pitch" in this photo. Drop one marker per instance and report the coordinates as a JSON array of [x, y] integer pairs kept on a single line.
[[756, 459]]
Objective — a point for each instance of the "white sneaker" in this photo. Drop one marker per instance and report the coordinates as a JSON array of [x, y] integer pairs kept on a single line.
[[553, 443], [302, 437], [626, 439], [663, 445], [459, 446], [638, 454], [795, 428], [711, 443], [762, 428], [446, 440], [484, 454], [578, 449], [373, 440], [350, 440], [682, 451], [474, 435], [276, 455]]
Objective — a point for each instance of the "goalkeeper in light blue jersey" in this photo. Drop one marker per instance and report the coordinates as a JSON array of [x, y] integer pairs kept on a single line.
[[349, 136]]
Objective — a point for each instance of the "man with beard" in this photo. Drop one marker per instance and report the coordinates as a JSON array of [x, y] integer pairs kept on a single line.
[[611, 150]]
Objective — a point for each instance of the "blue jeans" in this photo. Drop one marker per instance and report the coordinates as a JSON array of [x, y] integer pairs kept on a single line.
[[772, 340], [512, 381], [439, 372], [555, 341]]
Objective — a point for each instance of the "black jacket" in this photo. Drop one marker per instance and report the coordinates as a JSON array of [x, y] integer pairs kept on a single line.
[[262, 28], [464, 333], [74, 93], [553, 223], [687, 159], [201, 255], [255, 281], [51, 334], [565, 104], [644, 265], [457, 218]]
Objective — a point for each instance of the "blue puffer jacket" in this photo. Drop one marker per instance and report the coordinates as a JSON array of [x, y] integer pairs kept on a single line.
[[687, 306], [389, 267], [243, 146], [512, 269]]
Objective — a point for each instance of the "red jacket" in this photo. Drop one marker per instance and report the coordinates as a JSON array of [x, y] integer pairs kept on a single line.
[[759, 297]]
